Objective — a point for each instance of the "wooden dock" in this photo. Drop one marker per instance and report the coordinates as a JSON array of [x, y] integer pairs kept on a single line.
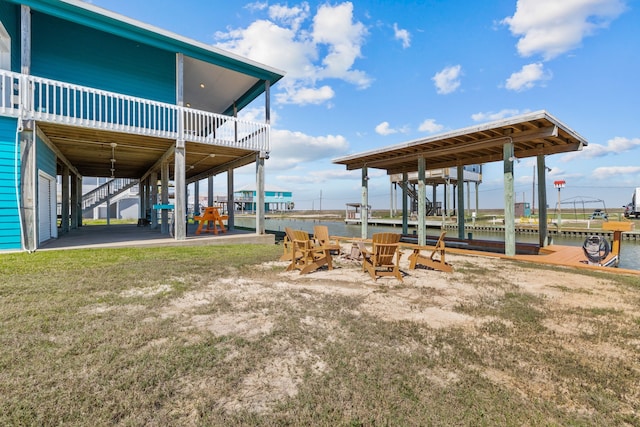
[[560, 255]]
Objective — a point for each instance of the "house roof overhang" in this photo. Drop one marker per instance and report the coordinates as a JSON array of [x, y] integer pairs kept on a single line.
[[532, 134], [244, 79]]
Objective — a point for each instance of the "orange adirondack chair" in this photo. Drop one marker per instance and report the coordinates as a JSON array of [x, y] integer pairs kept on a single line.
[[416, 258], [380, 260], [306, 255]]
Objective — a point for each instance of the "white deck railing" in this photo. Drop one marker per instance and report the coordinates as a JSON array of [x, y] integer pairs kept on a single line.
[[36, 98]]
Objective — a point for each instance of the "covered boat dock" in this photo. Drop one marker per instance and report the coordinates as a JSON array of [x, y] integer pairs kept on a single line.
[[536, 134]]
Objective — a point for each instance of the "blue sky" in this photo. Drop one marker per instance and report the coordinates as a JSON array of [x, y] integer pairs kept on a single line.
[[368, 74]]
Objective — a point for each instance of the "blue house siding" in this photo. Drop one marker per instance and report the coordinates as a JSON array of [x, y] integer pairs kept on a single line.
[[10, 17], [65, 51], [46, 159], [9, 222], [272, 199]]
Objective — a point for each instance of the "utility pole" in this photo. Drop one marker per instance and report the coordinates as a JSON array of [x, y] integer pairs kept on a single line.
[[320, 200]]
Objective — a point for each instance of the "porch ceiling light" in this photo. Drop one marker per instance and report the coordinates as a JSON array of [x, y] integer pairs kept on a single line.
[[209, 156], [202, 85]]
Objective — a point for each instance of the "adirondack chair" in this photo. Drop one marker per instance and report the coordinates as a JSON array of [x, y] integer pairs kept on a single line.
[[416, 258], [307, 255], [380, 260], [321, 235], [287, 245]]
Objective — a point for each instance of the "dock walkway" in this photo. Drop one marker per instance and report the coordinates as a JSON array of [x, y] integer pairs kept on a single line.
[[552, 230]]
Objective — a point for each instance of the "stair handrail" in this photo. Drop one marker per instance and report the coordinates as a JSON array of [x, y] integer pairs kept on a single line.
[[108, 189], [413, 194]]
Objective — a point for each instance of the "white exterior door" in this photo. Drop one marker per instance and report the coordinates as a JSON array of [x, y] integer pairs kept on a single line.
[[47, 219]]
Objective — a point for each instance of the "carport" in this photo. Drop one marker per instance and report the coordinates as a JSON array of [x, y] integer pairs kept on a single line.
[[536, 134]]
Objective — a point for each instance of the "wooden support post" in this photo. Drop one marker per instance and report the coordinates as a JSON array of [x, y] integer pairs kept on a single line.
[[260, 206], [180, 190], [153, 196], [405, 207], [364, 211], [210, 191], [460, 212], [542, 201], [66, 195], [422, 201], [28, 181], [164, 197], [509, 207], [231, 206], [76, 201], [196, 198]]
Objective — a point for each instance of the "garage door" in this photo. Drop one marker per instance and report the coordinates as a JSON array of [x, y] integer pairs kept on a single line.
[[47, 227]]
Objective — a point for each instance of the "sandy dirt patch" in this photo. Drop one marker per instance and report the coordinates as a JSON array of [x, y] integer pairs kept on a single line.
[[425, 297]]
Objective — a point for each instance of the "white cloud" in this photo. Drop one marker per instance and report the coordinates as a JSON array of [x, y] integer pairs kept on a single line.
[[430, 126], [339, 175], [385, 129], [551, 27], [402, 35], [305, 95], [491, 116], [618, 172], [257, 5], [291, 16], [333, 26], [529, 76], [290, 150], [293, 55], [320, 176], [310, 49], [620, 144], [447, 80], [616, 145]]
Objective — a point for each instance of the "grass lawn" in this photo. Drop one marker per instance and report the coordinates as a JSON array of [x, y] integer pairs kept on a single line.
[[220, 336]]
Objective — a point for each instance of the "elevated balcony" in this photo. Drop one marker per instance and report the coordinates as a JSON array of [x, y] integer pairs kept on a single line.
[[80, 120]]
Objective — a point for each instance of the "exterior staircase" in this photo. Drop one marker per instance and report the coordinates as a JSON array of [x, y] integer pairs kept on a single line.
[[106, 191], [413, 195]]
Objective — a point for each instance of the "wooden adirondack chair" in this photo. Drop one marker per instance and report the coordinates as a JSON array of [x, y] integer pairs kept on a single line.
[[321, 235], [287, 245], [380, 260], [416, 258], [306, 255]]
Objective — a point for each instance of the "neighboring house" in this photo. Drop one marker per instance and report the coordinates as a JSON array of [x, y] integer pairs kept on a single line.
[[85, 92], [275, 199]]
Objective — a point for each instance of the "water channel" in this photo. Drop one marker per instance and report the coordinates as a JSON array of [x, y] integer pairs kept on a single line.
[[629, 256]]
